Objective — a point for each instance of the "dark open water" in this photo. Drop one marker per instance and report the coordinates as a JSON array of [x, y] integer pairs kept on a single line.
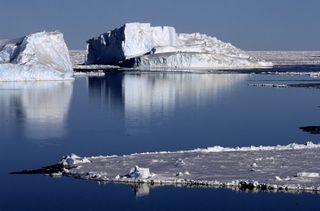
[[123, 113]]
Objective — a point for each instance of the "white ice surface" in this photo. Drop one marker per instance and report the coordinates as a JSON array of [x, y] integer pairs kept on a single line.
[[191, 60], [290, 167], [288, 57], [161, 47], [38, 56]]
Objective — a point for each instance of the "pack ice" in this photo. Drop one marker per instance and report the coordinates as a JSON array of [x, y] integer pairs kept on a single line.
[[142, 46], [38, 56]]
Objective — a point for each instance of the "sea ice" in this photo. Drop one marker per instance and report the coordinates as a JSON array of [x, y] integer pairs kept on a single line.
[[142, 46], [38, 56], [294, 167]]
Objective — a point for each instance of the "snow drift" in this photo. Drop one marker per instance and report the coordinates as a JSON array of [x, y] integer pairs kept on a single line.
[[38, 56], [142, 46]]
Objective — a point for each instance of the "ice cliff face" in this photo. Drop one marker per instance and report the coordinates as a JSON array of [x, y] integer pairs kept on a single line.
[[141, 46], [130, 40], [38, 56]]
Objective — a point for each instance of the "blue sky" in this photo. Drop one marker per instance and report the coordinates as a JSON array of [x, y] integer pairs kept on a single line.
[[248, 24]]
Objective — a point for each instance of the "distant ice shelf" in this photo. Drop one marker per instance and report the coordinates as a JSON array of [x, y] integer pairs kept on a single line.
[[141, 46], [38, 56], [288, 57], [278, 58], [294, 167]]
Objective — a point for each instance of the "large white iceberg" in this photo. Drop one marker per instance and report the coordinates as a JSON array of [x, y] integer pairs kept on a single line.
[[38, 56], [142, 46]]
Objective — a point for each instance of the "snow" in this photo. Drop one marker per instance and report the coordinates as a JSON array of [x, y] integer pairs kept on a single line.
[[293, 167], [142, 46], [38, 56]]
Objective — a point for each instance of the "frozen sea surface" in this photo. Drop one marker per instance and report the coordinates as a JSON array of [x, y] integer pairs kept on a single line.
[[280, 168]]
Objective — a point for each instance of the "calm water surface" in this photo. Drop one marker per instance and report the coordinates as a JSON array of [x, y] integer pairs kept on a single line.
[[123, 113]]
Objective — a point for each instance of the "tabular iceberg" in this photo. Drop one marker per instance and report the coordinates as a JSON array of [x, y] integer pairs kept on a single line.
[[142, 46], [38, 56]]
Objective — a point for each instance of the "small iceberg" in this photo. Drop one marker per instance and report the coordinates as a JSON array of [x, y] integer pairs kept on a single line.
[[140, 173], [142, 46], [35, 57]]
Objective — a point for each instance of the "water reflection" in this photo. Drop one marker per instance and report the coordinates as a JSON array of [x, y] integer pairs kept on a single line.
[[144, 97], [107, 90], [39, 109]]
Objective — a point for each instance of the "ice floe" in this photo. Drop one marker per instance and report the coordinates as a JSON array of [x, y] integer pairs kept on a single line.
[[294, 167]]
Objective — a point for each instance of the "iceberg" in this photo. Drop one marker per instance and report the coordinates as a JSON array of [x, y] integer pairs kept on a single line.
[[142, 46], [38, 56]]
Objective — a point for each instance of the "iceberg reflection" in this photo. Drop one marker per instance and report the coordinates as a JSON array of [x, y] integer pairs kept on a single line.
[[143, 98], [148, 95], [40, 108]]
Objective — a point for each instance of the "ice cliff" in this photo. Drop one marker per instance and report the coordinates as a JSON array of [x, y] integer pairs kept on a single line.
[[38, 56], [142, 46]]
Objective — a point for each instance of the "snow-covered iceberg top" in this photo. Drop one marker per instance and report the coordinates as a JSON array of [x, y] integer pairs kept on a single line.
[[142, 46], [38, 56]]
